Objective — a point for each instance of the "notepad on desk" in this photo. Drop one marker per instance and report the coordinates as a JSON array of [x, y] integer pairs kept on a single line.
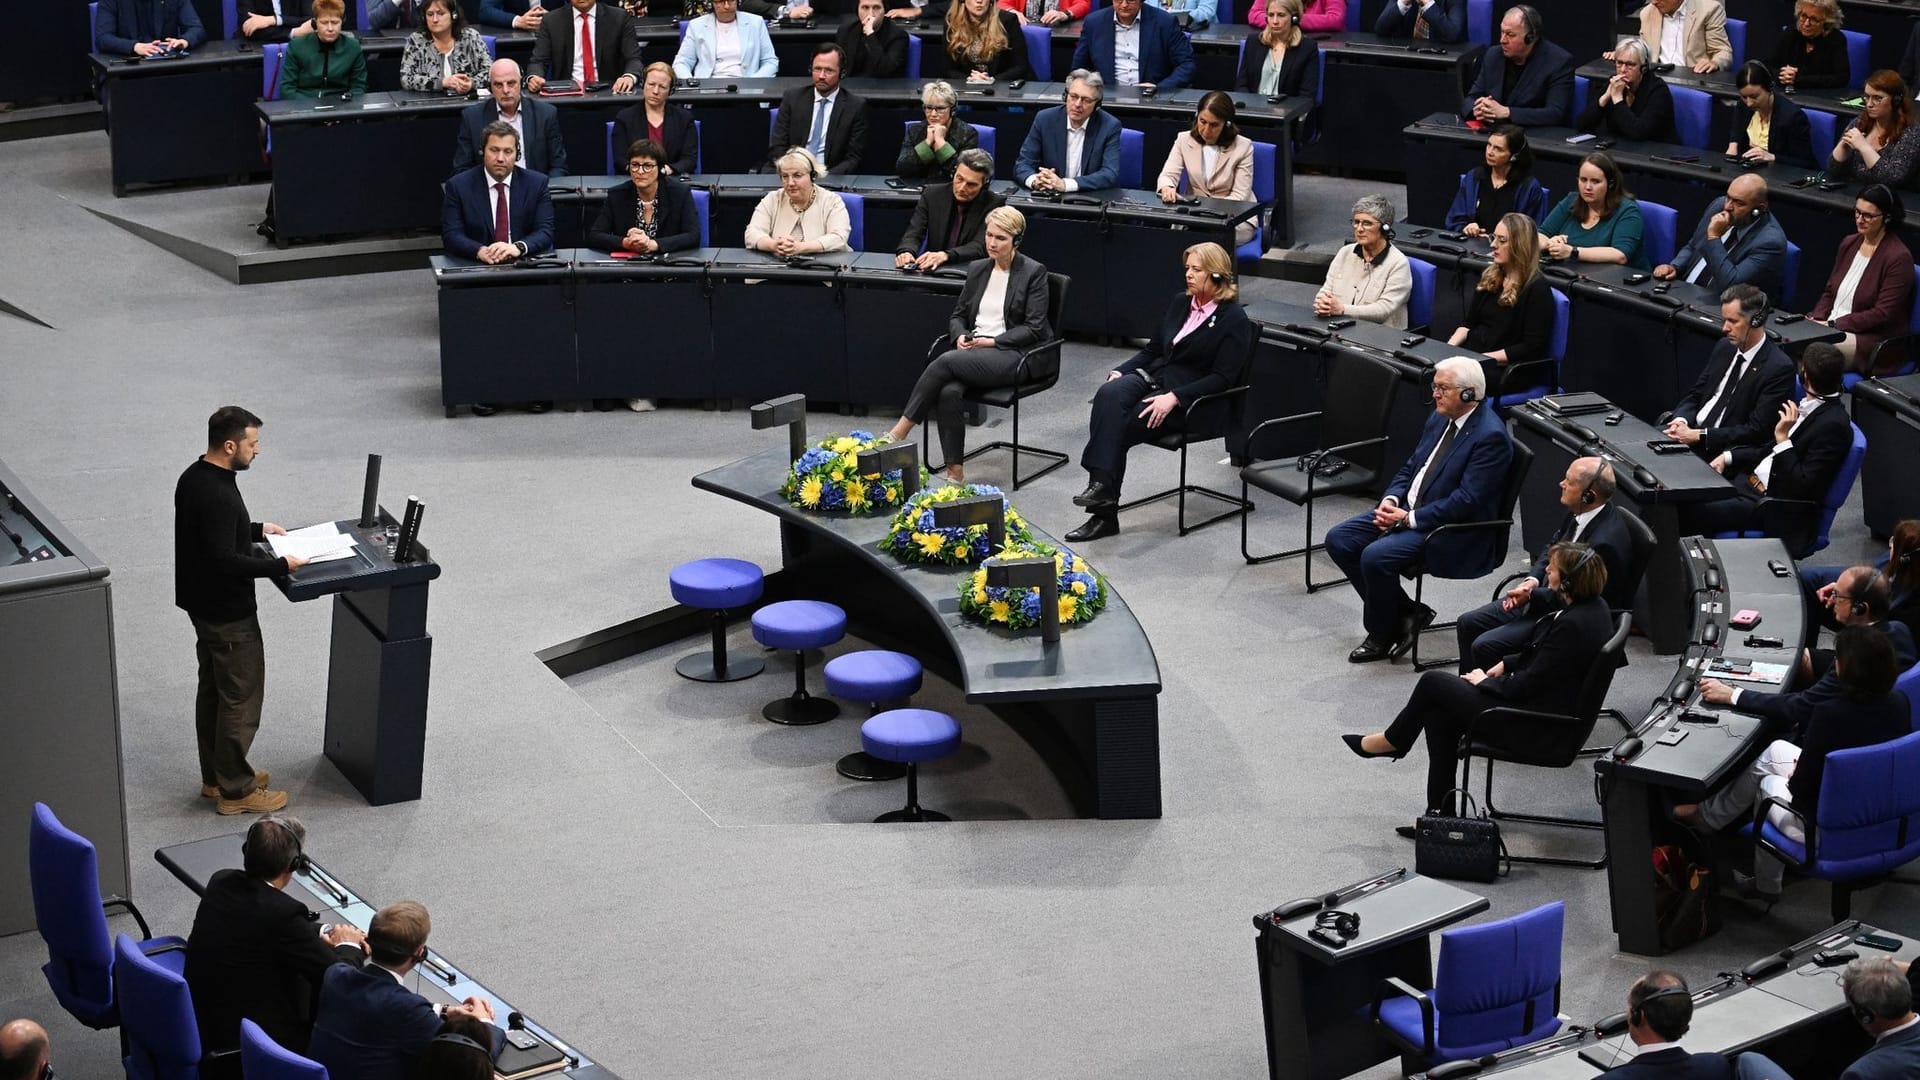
[[1739, 669], [315, 543]]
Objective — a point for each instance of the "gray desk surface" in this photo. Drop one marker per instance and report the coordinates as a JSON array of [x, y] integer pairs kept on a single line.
[[1390, 915]]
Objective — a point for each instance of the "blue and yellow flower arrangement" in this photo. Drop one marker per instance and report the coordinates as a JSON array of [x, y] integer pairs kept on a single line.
[[827, 477], [1083, 593], [913, 537]]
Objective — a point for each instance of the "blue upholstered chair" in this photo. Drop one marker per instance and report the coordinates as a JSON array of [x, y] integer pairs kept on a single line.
[[913, 56], [1480, 24], [911, 736], [877, 677], [1265, 166], [72, 919], [493, 46], [270, 56], [1830, 503], [1909, 684], [717, 585], [360, 18], [799, 625], [856, 220], [1661, 225], [1133, 148], [1737, 37], [989, 141], [701, 198], [1789, 278], [1426, 279], [1824, 130], [93, 27], [1496, 986], [1039, 51], [1542, 374], [263, 1059], [229, 19], [1866, 826], [1032, 378], [1692, 115], [162, 1036], [1859, 57]]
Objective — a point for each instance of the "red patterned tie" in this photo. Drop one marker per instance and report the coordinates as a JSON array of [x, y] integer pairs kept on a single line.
[[586, 47], [501, 234]]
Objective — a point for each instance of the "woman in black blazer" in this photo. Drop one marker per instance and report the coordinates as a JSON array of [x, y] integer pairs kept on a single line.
[[1635, 103], [1546, 675], [1201, 347], [1293, 58], [646, 215], [652, 118], [1789, 136], [987, 338]]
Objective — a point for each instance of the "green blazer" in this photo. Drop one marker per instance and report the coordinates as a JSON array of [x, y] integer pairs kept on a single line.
[[308, 71]]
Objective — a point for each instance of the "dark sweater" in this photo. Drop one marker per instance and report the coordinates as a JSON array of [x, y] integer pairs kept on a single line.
[[1820, 63], [213, 570], [1523, 330]]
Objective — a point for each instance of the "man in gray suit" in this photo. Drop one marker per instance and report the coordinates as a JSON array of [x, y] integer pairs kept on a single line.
[[541, 149], [1882, 1001]]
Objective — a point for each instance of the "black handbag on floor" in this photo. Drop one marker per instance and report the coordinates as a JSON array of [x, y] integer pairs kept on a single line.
[[1465, 848]]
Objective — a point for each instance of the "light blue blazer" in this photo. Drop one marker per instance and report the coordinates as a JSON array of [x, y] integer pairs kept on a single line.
[[696, 57]]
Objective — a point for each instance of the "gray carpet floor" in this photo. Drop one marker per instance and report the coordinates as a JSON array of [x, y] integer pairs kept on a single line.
[[643, 864]]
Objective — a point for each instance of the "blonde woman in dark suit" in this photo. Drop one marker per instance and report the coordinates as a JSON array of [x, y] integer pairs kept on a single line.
[[1213, 158]]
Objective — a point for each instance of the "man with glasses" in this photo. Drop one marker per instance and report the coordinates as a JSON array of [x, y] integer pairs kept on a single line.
[[824, 117], [1370, 278], [874, 45], [534, 121], [1687, 33], [1635, 103], [24, 1051], [1526, 80], [1737, 242], [932, 147], [950, 219], [1135, 45], [1456, 474], [1072, 146], [1739, 393]]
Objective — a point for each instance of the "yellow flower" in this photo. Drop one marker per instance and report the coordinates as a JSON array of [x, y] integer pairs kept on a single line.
[[1079, 588], [980, 579], [810, 491], [979, 594], [856, 495], [997, 611], [1068, 605], [845, 443], [837, 475], [959, 551], [930, 543]]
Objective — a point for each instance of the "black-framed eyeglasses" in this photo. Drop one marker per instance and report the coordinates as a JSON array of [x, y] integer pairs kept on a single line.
[[642, 166], [1868, 215], [936, 108]]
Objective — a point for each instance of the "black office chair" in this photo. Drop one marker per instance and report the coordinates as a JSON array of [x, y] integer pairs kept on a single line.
[[1008, 397], [1556, 742], [1503, 525], [1353, 437], [1226, 406]]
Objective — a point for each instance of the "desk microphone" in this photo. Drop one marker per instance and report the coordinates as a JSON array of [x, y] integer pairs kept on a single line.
[[19, 543], [1767, 965], [370, 496]]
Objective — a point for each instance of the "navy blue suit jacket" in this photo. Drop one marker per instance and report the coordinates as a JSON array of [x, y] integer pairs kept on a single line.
[[1786, 715], [1675, 1064], [1166, 56], [117, 24], [1046, 145], [1758, 256], [466, 212], [1607, 535], [1446, 20], [544, 152], [1465, 486], [370, 1027], [1895, 1057], [1542, 97]]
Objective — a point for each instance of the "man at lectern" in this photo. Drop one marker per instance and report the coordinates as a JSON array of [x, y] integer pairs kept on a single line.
[[213, 574]]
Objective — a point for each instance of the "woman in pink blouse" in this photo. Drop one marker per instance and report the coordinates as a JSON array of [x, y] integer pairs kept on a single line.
[[1320, 16]]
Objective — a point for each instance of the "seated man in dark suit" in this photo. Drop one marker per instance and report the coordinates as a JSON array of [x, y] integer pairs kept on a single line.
[[1739, 393], [1135, 45], [615, 52], [145, 27], [1659, 1011], [1809, 443], [269, 21], [497, 212], [368, 1025], [512, 14], [1456, 474], [541, 147], [826, 118], [1881, 998], [1525, 79], [875, 47], [950, 219], [1047, 161], [1736, 243], [1440, 20], [256, 953], [1500, 628]]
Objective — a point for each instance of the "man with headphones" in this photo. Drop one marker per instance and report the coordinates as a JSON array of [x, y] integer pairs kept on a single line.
[[256, 953], [1737, 242], [1527, 79], [1072, 146], [1502, 627], [368, 1025], [1659, 1011], [1880, 996], [1738, 395], [24, 1051]]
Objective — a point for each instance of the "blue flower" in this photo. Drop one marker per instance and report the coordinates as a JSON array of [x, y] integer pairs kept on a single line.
[[1030, 604], [863, 436]]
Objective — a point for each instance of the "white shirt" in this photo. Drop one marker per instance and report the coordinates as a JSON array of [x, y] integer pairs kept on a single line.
[[1727, 240], [1742, 362], [518, 129], [1764, 471], [580, 44], [1209, 158], [1076, 149], [1673, 37], [726, 49], [1849, 284], [1583, 519], [1126, 53], [990, 318]]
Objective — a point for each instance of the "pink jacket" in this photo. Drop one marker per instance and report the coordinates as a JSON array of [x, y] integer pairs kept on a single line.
[[1318, 16]]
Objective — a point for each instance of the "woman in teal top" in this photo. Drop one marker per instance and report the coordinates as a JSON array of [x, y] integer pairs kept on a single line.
[[325, 63], [1598, 221]]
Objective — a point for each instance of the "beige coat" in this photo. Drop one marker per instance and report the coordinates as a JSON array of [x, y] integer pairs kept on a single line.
[[1706, 34], [1232, 176]]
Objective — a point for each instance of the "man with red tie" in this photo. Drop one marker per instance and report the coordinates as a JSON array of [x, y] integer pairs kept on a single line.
[[587, 42], [497, 211]]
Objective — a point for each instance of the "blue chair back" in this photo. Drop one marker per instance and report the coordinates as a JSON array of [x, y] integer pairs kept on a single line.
[[1868, 820], [1909, 684], [700, 210], [773, 119], [1581, 85], [162, 1036], [263, 1059], [1353, 16], [1789, 278], [1859, 61], [1692, 115], [493, 46], [989, 141], [1491, 978], [1265, 167], [1133, 149], [612, 162], [857, 220], [1557, 341], [230, 18], [65, 877], [270, 71], [1039, 51], [93, 27], [699, 149], [1420, 304], [913, 56], [1265, 170], [1824, 127], [683, 28], [1737, 37], [1836, 496], [1480, 21], [1660, 224], [361, 20]]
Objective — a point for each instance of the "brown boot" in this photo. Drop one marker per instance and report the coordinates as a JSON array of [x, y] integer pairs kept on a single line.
[[212, 791], [259, 801]]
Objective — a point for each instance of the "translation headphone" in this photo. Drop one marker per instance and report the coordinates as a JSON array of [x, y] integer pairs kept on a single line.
[[299, 864], [1637, 1014], [1531, 20], [1219, 280], [1344, 924], [1586, 494], [1586, 556], [1861, 1014], [1469, 395], [458, 1039]]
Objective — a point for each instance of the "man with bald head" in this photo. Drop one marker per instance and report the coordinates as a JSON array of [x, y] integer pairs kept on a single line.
[[1736, 243], [1500, 629], [541, 149], [24, 1051]]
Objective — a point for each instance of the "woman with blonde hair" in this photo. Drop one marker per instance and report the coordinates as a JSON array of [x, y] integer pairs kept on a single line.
[[1510, 318], [801, 218], [654, 119], [985, 41], [1277, 59]]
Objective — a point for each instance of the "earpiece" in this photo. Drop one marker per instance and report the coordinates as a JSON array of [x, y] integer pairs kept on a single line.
[[1346, 924], [461, 1040], [1637, 1015], [1469, 395], [1861, 1014], [1386, 229], [1219, 279], [299, 864], [1015, 238], [1586, 496], [1586, 557]]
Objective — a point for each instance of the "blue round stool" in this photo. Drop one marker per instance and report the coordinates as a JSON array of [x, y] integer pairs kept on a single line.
[[873, 676], [716, 585], [799, 625], [911, 736]]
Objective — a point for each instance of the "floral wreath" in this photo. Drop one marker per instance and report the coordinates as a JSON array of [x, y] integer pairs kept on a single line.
[[1083, 593], [827, 477], [913, 537]]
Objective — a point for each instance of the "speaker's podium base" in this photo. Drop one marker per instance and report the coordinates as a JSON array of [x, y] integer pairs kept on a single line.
[[378, 664]]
